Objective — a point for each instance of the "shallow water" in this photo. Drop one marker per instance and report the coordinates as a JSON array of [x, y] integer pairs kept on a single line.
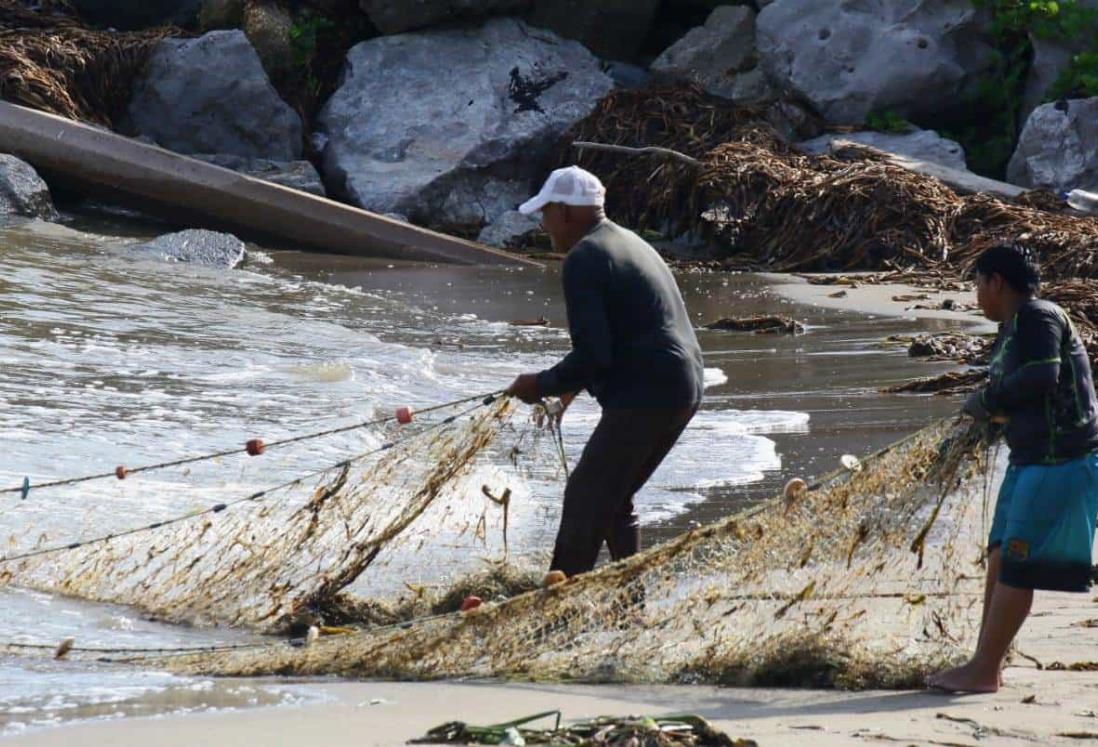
[[109, 359]]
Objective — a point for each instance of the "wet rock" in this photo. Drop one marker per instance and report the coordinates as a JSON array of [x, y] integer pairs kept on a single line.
[[211, 95], [396, 16], [1050, 58], [853, 58], [196, 246], [720, 57], [612, 29], [299, 175], [924, 145], [448, 127], [22, 190], [510, 230], [268, 25], [137, 14], [1058, 148]]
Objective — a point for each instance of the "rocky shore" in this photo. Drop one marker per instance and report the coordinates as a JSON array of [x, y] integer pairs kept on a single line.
[[447, 113]]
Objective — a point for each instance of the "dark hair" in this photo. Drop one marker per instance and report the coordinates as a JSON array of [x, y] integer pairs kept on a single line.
[[1016, 263]]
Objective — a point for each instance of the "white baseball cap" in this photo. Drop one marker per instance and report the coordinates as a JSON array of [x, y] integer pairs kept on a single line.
[[572, 186]]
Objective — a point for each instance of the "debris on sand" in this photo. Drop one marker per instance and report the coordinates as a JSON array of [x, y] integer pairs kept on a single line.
[[760, 325]]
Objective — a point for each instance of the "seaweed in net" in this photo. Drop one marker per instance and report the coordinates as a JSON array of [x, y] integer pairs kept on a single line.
[[265, 560], [874, 571]]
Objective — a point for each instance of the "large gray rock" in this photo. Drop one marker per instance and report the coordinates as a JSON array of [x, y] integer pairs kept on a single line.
[[196, 246], [1050, 58], [448, 127], [269, 27], [924, 145], [853, 57], [396, 16], [1058, 148], [299, 175], [211, 95], [22, 191], [719, 56], [510, 230]]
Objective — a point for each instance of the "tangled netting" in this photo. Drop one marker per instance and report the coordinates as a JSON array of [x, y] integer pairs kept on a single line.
[[262, 560], [869, 578]]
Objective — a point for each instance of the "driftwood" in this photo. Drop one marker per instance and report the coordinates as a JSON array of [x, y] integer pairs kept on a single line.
[[650, 150]]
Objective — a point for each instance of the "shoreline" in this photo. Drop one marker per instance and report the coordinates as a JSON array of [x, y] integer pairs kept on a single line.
[[390, 713], [878, 299]]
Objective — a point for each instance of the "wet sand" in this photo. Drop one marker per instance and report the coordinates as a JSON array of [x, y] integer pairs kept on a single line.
[[1035, 707]]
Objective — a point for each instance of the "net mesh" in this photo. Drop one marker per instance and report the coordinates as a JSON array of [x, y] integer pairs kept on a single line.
[[264, 560], [870, 578]]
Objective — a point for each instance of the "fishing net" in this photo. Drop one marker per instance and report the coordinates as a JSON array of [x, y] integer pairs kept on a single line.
[[870, 577], [265, 559]]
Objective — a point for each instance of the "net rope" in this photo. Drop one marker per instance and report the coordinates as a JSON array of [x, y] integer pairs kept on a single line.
[[870, 577]]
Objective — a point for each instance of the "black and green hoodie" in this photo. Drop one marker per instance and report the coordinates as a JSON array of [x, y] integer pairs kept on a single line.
[[1041, 380]]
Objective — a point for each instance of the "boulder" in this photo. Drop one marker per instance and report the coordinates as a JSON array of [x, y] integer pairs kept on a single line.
[[1058, 148], [137, 14], [196, 246], [850, 58], [1050, 58], [613, 29], [268, 24], [397, 16], [924, 145], [299, 175], [510, 230], [211, 95], [719, 57], [22, 191], [450, 127]]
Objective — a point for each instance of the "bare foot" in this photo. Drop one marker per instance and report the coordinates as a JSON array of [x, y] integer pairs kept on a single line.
[[967, 678]]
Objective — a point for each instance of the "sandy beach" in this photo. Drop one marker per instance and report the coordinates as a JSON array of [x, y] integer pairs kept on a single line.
[[1045, 703], [1035, 707]]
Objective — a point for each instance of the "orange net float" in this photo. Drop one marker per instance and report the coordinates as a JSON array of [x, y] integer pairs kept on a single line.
[[404, 415], [255, 447], [120, 472]]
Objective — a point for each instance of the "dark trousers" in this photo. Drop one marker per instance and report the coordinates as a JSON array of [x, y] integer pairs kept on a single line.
[[623, 452]]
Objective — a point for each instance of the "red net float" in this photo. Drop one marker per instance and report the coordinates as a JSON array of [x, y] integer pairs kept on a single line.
[[404, 415], [120, 472], [255, 447], [471, 603]]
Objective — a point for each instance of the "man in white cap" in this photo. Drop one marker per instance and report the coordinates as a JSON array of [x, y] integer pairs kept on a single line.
[[633, 349]]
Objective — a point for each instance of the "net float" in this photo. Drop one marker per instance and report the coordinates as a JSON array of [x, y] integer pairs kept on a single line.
[[471, 603], [404, 415], [794, 488], [255, 447], [312, 635], [64, 648], [120, 472], [552, 578], [851, 462]]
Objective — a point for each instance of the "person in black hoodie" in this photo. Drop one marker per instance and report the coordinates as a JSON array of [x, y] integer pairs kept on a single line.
[[633, 349], [1042, 393]]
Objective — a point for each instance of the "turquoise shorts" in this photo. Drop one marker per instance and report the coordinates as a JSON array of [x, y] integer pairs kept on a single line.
[[1044, 523]]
